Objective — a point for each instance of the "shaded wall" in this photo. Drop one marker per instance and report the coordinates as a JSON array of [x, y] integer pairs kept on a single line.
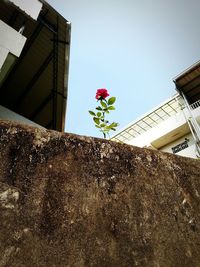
[[68, 200]]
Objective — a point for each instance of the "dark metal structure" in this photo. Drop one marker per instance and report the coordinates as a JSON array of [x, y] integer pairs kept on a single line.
[[188, 83], [36, 87]]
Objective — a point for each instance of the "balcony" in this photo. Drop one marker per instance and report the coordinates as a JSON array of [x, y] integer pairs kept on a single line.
[[195, 104]]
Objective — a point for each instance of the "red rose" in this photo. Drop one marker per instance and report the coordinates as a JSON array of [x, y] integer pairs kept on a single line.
[[101, 94]]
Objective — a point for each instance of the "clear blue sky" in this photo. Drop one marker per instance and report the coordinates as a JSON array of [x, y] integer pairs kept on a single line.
[[134, 48]]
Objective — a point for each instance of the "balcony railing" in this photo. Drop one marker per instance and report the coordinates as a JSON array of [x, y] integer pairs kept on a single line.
[[195, 104]]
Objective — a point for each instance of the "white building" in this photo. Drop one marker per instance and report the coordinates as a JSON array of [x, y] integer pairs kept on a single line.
[[34, 63], [173, 126]]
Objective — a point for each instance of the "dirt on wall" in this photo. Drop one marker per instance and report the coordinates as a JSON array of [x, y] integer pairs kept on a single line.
[[68, 200]]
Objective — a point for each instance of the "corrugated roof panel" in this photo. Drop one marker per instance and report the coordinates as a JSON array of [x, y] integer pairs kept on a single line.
[[188, 83]]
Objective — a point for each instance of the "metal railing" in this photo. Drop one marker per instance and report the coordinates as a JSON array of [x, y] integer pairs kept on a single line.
[[195, 104]]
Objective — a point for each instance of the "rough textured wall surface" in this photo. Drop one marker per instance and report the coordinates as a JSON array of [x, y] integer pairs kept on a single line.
[[67, 200]]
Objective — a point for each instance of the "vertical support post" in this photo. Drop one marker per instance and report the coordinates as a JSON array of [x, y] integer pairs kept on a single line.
[[193, 125], [193, 120], [55, 77]]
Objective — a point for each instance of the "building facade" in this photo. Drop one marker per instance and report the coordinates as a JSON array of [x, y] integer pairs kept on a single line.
[[173, 126], [34, 63]]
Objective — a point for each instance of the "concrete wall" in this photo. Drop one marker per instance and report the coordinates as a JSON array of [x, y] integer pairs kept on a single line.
[[68, 200]]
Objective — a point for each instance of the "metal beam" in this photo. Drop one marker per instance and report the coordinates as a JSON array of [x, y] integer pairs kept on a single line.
[[132, 129], [165, 112], [47, 24], [158, 115], [55, 78], [149, 116], [44, 103], [41, 106], [59, 41], [146, 123], [13, 18], [172, 107], [49, 125], [33, 80], [60, 94], [137, 123]]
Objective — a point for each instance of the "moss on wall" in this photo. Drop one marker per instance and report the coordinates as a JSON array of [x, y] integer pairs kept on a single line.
[[68, 200]]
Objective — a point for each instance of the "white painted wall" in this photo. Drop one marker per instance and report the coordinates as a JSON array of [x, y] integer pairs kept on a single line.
[[3, 55], [11, 41], [176, 123], [159, 130], [30, 7], [168, 147], [164, 128], [190, 151], [196, 114], [7, 114]]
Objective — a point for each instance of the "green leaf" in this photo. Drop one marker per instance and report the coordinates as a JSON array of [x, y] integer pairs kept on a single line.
[[96, 120], [99, 108], [106, 111], [92, 113], [113, 129], [97, 126], [103, 104], [98, 114], [114, 124], [111, 100], [111, 108], [107, 128], [103, 125]]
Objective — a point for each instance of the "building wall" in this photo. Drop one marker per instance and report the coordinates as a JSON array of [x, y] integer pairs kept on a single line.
[[11, 41], [170, 133], [30, 7], [196, 114], [7, 114], [11, 45], [185, 146], [25, 84], [160, 130]]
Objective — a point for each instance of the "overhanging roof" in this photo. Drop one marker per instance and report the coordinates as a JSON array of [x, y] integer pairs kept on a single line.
[[36, 87], [30, 7], [188, 82]]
